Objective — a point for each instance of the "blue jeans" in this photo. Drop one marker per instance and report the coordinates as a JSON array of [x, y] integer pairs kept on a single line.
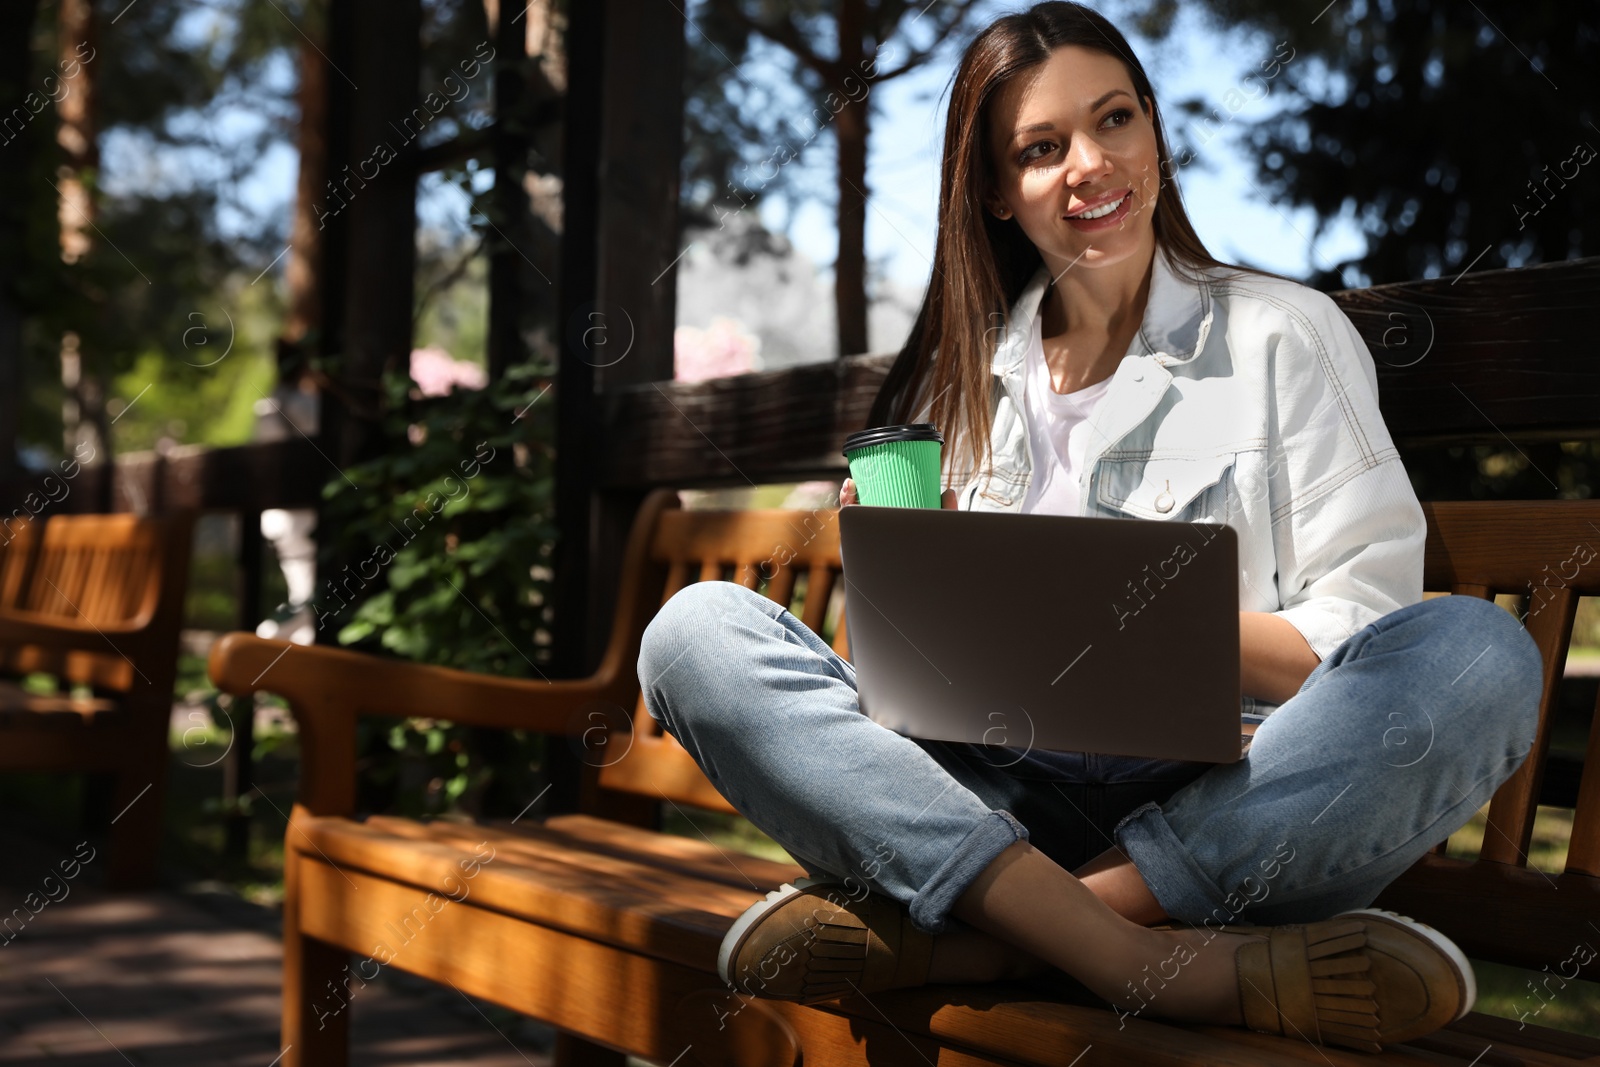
[[1394, 741]]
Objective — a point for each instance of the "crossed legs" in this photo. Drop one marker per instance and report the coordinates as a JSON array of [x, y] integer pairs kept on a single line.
[[1329, 806]]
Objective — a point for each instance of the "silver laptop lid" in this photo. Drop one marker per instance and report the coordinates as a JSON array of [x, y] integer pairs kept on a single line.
[[1051, 632]]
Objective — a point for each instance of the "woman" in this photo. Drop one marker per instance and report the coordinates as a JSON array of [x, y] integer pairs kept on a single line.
[[1098, 361]]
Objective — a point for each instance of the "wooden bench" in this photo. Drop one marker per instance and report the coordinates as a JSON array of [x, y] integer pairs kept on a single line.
[[97, 601], [609, 931]]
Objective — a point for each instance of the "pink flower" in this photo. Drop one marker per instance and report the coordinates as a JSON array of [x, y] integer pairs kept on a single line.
[[722, 349], [436, 373]]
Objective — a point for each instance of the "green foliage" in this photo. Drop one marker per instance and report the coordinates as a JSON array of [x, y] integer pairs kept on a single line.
[[438, 546], [452, 296], [187, 100], [437, 552], [1367, 78], [203, 390]]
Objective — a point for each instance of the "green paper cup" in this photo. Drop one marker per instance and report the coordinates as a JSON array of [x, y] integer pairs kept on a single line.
[[896, 466]]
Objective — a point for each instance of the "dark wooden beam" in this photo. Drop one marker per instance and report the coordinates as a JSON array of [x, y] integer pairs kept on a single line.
[[641, 131], [576, 471], [624, 146], [377, 55], [1497, 354], [508, 201]]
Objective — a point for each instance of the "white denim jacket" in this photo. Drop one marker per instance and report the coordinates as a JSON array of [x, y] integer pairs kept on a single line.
[[1246, 400]]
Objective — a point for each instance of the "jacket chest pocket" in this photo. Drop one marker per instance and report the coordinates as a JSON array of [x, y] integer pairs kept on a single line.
[[1177, 488], [1000, 488]]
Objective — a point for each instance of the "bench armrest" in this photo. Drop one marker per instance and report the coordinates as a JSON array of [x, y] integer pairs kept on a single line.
[[71, 635], [328, 689], [337, 681]]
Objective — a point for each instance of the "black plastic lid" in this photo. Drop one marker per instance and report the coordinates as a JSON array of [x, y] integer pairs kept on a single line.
[[915, 431]]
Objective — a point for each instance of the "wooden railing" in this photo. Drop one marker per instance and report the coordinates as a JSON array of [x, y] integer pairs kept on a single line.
[[245, 478], [1491, 356]]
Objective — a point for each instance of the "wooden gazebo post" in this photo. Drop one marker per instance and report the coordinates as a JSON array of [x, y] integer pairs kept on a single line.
[[369, 249], [618, 289]]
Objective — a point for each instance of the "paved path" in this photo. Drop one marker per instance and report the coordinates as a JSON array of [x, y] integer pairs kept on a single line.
[[167, 978]]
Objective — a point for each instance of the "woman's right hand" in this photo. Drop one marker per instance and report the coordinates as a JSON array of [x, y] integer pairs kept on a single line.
[[847, 496]]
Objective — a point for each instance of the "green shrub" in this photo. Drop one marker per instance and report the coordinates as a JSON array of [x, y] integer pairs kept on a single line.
[[438, 552]]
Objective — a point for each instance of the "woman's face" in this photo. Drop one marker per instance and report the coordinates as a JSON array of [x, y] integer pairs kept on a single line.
[[1070, 138]]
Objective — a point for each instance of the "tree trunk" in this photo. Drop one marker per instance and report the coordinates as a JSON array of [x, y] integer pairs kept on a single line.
[[849, 269], [84, 410], [303, 270]]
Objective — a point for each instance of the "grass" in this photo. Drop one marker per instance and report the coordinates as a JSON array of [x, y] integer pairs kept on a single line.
[[1540, 998], [1536, 997], [1547, 850]]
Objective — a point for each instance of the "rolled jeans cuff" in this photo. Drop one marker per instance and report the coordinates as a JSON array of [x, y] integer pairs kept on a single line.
[[961, 868], [1184, 891]]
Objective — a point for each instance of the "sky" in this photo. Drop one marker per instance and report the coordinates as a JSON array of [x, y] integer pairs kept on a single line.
[[1234, 218]]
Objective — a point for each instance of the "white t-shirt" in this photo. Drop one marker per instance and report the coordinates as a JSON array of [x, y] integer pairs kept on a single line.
[[1058, 431]]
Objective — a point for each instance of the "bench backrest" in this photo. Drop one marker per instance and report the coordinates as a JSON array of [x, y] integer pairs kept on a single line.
[[1547, 553], [100, 570], [791, 556], [19, 536]]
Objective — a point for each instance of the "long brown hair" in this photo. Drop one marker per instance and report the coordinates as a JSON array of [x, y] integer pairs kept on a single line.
[[982, 263]]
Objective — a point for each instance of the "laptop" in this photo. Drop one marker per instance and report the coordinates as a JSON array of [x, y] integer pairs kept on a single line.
[[1049, 632]]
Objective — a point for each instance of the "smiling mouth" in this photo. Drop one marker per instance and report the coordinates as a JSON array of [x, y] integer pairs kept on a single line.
[[1102, 211]]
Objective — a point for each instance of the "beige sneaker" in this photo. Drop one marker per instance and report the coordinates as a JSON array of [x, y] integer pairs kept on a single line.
[[817, 940], [1361, 979]]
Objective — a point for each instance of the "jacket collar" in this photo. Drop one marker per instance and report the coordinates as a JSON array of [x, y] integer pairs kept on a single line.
[[1177, 317]]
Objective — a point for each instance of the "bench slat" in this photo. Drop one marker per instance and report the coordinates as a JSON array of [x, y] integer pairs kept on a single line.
[[1539, 1044], [1505, 545], [745, 573], [656, 766], [698, 857], [781, 587], [577, 838], [1583, 848], [1500, 912], [641, 908], [583, 986], [819, 588], [1512, 811]]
